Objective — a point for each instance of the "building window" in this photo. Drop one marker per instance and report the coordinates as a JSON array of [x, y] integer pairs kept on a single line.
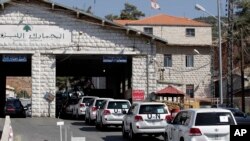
[[167, 60], [190, 90], [190, 32], [189, 60], [148, 30]]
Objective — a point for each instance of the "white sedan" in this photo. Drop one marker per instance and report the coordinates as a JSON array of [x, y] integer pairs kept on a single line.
[[148, 118], [206, 124], [80, 107]]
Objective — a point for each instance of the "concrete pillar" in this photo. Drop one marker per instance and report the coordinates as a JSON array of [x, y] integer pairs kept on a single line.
[[43, 84]]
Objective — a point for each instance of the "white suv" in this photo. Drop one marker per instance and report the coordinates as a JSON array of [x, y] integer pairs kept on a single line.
[[92, 108], [145, 118], [80, 108], [111, 113], [200, 125]]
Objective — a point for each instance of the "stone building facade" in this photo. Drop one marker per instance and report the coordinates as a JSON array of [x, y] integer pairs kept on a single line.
[[44, 30], [180, 44]]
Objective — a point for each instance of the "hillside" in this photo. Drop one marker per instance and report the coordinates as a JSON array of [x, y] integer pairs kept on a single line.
[[20, 83]]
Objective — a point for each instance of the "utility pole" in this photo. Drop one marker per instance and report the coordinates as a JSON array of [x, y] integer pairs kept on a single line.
[[242, 72], [230, 87]]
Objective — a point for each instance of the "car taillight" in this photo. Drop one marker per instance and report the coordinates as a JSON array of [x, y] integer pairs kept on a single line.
[[168, 118], [194, 132], [138, 118], [106, 112], [10, 109], [82, 105], [94, 108]]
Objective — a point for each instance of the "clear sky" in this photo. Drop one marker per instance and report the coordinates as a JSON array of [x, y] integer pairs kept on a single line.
[[180, 8]]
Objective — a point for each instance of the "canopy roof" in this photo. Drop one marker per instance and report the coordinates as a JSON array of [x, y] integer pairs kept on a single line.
[[170, 90]]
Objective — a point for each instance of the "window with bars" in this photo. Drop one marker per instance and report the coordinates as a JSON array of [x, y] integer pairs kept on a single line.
[[190, 32], [190, 90], [148, 30], [189, 61], [167, 60]]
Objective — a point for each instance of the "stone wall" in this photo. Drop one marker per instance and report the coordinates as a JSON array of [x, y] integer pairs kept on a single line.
[[179, 75], [203, 35]]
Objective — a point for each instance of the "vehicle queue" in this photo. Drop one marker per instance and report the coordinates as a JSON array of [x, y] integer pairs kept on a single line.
[[155, 119]]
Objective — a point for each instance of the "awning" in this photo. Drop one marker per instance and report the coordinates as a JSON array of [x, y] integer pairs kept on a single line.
[[170, 90]]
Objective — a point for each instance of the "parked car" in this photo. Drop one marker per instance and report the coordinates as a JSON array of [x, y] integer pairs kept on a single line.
[[68, 106], [93, 106], [200, 125], [148, 118], [14, 107], [240, 117], [79, 109], [111, 113]]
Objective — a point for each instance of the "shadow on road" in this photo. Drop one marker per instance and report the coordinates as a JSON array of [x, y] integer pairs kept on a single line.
[[112, 129], [144, 138], [113, 138], [88, 129], [79, 123], [93, 129]]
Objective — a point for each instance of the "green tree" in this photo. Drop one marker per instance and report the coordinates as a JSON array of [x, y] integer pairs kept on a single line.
[[23, 94], [112, 17], [242, 23], [61, 82], [214, 23], [130, 12]]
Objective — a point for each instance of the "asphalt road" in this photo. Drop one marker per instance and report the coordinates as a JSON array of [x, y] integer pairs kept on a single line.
[[46, 129]]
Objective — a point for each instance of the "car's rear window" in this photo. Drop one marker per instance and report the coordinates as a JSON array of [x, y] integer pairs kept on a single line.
[[153, 109], [98, 103], [118, 105], [85, 99], [13, 103], [218, 118]]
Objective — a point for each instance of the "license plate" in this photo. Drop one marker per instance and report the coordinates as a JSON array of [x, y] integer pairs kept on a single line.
[[155, 123]]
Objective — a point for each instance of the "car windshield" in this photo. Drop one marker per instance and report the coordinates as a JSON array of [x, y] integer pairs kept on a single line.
[[153, 109], [218, 118], [118, 105]]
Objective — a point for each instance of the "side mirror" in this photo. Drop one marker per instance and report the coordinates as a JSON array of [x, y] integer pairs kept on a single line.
[[124, 112]]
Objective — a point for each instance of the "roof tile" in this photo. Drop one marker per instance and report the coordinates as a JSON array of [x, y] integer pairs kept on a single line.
[[163, 19]]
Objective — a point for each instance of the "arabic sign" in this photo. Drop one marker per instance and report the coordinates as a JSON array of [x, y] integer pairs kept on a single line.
[[138, 95], [14, 58], [114, 59], [33, 33]]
